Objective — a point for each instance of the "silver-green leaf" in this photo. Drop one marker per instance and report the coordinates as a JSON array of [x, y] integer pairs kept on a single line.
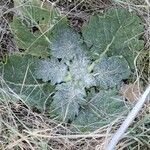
[[110, 71], [51, 70], [66, 43], [67, 100], [80, 73]]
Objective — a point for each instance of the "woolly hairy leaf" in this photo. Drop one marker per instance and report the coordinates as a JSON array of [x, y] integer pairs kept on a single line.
[[50, 69], [115, 33], [103, 108], [109, 71], [80, 73], [17, 74], [66, 44], [67, 100]]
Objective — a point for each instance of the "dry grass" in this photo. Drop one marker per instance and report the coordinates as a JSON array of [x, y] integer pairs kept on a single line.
[[22, 128]]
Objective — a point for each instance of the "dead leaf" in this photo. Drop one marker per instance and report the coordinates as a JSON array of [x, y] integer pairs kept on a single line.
[[131, 91]]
